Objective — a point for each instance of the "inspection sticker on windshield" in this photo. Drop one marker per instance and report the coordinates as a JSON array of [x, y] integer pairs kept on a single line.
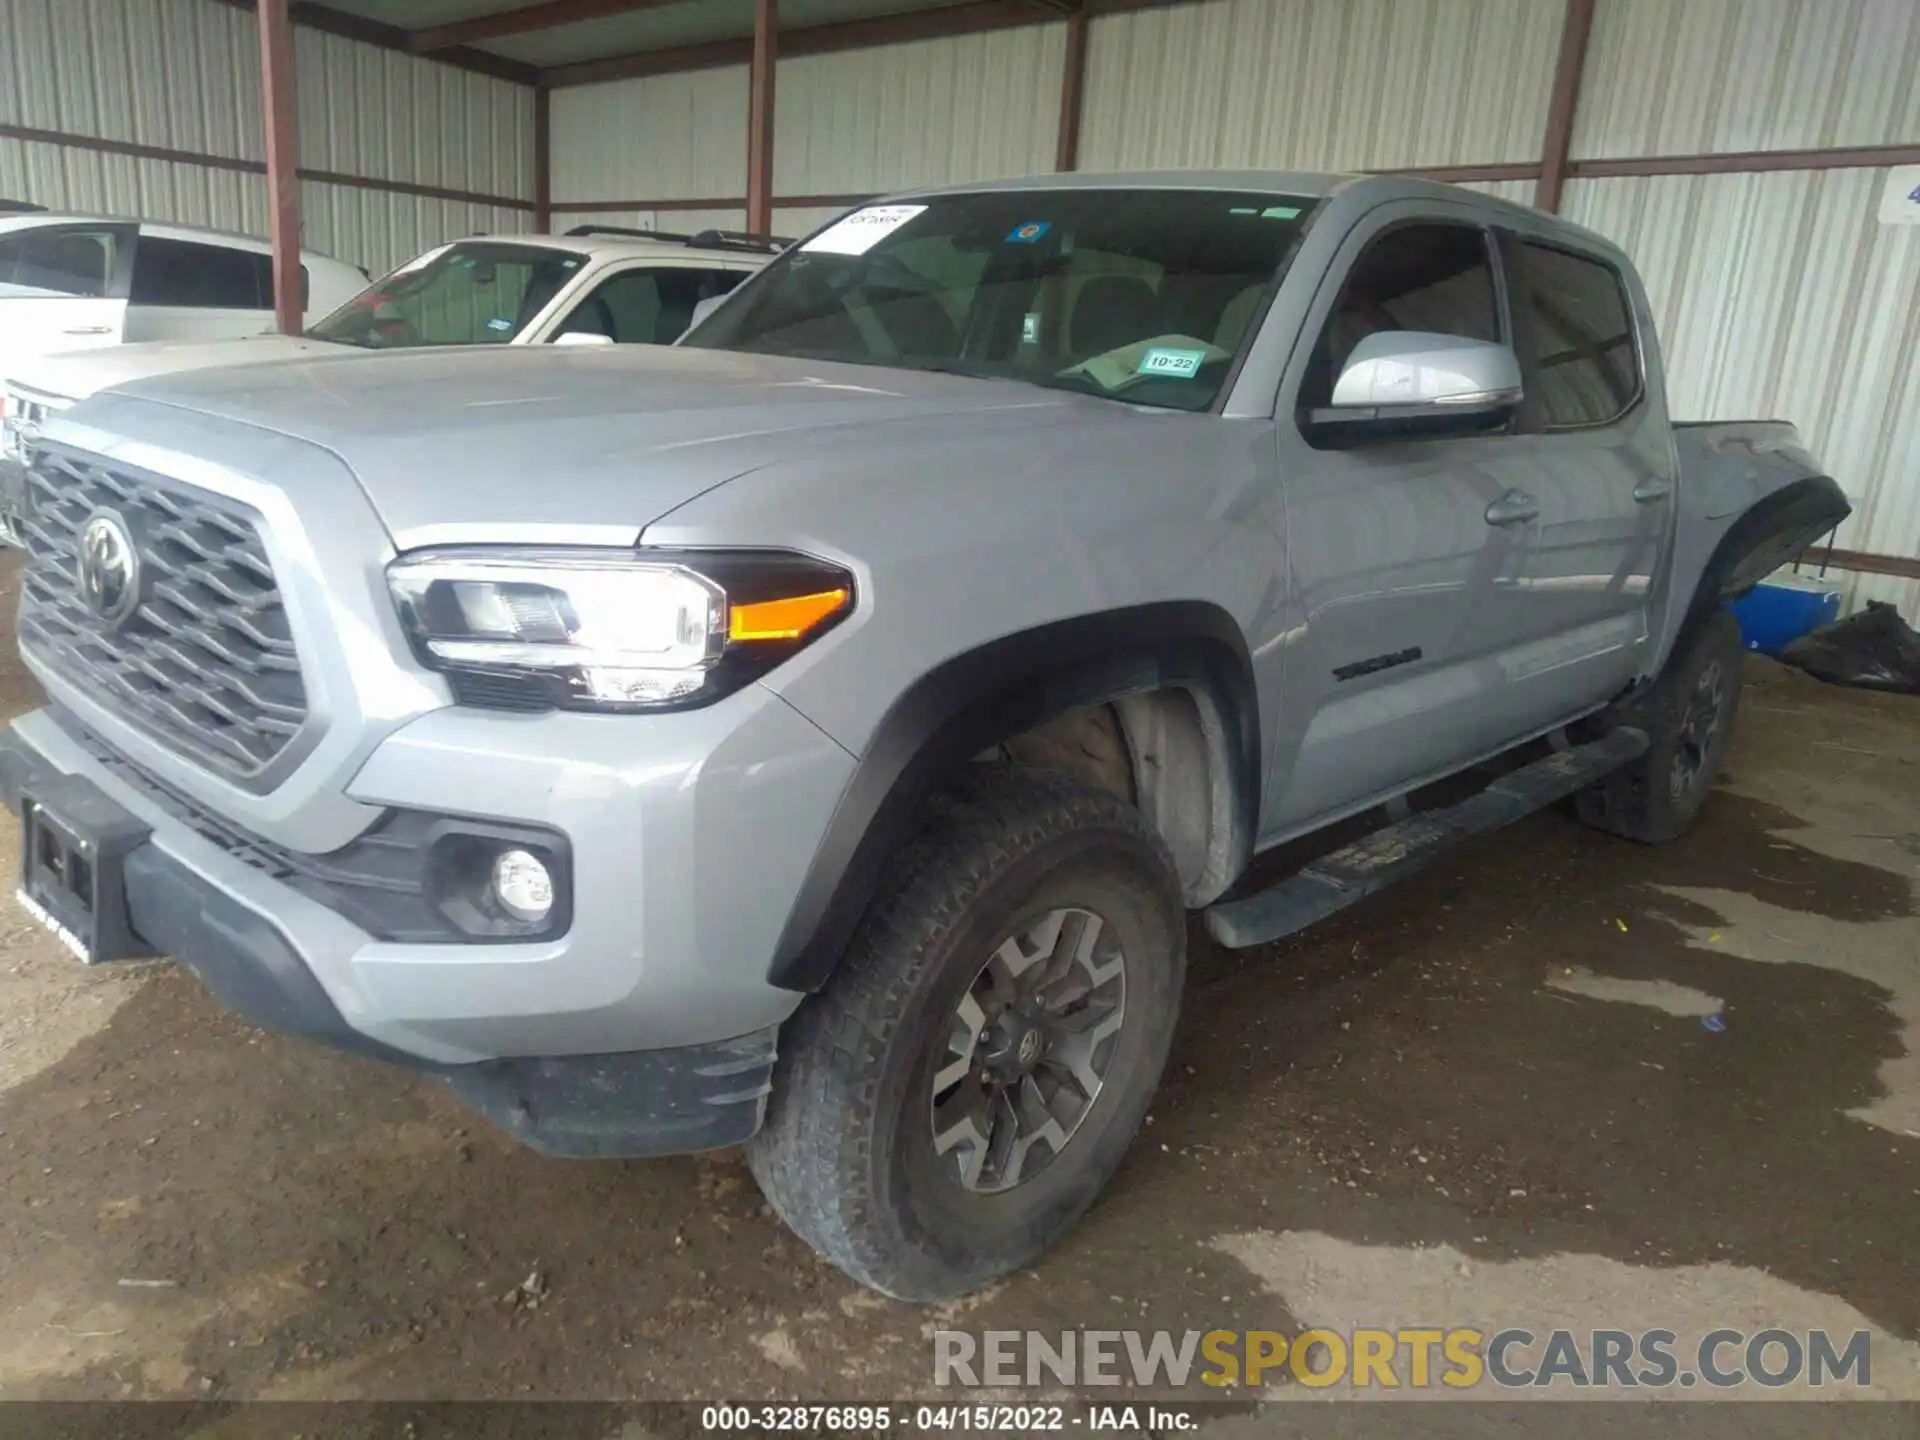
[[862, 230], [1181, 364], [499, 322], [1031, 233]]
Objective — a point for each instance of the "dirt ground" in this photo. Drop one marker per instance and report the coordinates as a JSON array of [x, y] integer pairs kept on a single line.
[[1493, 1097]]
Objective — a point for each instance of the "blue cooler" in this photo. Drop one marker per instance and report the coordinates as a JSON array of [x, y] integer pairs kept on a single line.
[[1783, 609]]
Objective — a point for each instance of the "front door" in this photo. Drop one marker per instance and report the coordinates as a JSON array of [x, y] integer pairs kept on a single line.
[[1404, 555]]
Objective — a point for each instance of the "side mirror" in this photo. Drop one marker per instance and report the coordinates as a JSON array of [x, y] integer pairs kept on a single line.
[[581, 337], [1408, 383]]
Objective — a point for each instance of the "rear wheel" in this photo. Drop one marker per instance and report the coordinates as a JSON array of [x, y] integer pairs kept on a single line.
[[961, 1091], [1688, 716]]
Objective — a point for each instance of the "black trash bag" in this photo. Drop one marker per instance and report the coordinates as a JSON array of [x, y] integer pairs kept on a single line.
[[1873, 649]]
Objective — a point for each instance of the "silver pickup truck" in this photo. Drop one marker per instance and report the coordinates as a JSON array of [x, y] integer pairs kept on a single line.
[[813, 736]]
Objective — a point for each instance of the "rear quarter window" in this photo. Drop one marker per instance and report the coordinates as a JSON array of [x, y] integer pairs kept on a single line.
[[191, 275]]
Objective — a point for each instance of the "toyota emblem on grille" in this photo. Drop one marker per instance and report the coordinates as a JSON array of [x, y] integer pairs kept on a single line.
[[109, 567]]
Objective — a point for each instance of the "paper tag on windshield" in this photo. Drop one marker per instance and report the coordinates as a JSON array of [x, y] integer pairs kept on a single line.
[[1163, 360], [862, 230]]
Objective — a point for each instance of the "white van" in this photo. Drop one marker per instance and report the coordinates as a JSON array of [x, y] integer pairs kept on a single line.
[[73, 282]]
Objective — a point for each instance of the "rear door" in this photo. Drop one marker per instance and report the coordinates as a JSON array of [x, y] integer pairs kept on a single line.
[[1396, 669], [1602, 469], [62, 287], [646, 304], [198, 290]]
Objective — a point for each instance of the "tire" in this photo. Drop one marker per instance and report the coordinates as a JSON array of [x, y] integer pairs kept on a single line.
[[1688, 716], [849, 1156]]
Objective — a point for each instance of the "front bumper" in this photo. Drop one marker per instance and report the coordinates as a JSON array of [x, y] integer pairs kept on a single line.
[[632, 1104], [648, 1028]]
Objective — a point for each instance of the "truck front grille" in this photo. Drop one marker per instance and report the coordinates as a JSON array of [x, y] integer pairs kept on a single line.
[[206, 661]]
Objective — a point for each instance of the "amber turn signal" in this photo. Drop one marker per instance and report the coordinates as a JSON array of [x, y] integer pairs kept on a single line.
[[787, 619]]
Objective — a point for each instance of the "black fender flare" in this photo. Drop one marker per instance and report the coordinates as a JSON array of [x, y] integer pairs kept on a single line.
[[968, 704], [1770, 533]]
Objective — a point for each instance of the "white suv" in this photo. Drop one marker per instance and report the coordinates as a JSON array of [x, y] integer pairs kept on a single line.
[[594, 285]]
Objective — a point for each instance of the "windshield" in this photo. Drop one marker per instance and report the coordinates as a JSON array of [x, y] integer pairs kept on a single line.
[[478, 292], [1145, 296]]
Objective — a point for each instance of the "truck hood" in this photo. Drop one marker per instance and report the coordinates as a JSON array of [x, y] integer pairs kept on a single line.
[[558, 443], [72, 375]]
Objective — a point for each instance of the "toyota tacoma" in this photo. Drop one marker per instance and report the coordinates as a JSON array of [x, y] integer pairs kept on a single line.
[[813, 736]]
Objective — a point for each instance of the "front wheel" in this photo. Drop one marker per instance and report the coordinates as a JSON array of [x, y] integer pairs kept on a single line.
[[959, 1094], [1688, 716]]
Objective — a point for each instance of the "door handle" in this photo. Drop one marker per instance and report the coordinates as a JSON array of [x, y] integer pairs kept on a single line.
[[1516, 507], [89, 330], [1648, 491]]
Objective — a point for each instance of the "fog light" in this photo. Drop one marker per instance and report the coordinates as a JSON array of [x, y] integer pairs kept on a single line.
[[522, 885]]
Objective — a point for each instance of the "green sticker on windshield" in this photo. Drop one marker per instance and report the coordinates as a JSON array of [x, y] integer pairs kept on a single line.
[[1281, 212], [1179, 364]]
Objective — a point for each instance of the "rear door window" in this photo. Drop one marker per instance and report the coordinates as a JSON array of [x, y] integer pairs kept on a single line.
[[647, 306], [189, 274], [62, 261], [1586, 366]]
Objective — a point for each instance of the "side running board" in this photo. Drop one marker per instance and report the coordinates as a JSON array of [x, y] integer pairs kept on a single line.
[[1375, 861]]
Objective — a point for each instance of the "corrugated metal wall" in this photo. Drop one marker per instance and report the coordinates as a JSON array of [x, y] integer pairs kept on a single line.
[[62, 178], [852, 123], [1328, 84], [1779, 293], [1319, 84], [184, 75], [680, 137], [179, 74], [1683, 77], [388, 116], [974, 108]]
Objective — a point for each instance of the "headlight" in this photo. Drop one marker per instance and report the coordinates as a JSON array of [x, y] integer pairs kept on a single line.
[[583, 629]]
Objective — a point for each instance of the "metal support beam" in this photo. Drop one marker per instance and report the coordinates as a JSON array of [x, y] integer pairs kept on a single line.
[[970, 17], [542, 160], [1564, 104], [1073, 74], [283, 162], [766, 22], [543, 16], [313, 16], [1750, 162]]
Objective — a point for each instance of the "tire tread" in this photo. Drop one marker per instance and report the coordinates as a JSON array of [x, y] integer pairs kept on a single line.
[[813, 1166]]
